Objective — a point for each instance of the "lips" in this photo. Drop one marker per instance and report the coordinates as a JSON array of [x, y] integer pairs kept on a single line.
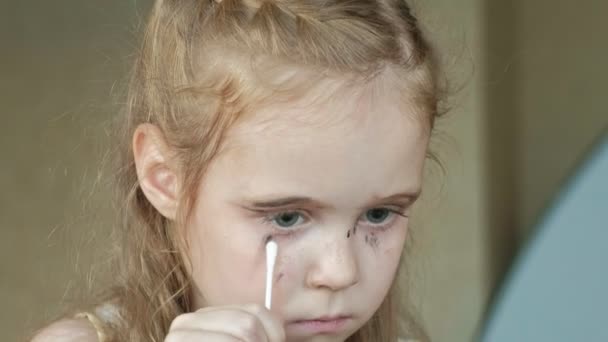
[[319, 325], [324, 318]]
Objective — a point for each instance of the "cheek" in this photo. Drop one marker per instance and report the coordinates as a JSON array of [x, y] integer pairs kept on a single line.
[[381, 253], [391, 245], [389, 241], [286, 267], [228, 259]]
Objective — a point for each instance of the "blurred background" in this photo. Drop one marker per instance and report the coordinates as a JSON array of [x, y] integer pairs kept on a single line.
[[533, 78]]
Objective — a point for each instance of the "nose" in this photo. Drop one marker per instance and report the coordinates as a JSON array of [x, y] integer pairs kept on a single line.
[[335, 267]]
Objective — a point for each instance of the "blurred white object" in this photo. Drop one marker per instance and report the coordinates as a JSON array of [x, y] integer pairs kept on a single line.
[[271, 256]]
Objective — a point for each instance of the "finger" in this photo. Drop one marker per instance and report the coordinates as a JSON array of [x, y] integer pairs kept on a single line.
[[272, 324], [233, 321], [194, 335]]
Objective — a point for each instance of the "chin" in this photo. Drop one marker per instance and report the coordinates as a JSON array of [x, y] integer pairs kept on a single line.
[[318, 338], [321, 337]]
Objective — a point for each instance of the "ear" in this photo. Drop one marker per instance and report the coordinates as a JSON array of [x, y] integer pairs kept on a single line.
[[157, 175]]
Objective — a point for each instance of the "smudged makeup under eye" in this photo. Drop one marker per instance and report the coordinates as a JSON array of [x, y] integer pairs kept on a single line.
[[287, 221]]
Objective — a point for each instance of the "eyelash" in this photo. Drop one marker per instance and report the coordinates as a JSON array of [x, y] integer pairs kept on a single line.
[[270, 219]]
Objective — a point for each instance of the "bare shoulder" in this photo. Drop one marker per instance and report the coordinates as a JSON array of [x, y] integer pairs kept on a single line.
[[67, 330]]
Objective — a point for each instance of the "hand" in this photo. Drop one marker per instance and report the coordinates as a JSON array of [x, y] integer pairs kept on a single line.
[[248, 323]]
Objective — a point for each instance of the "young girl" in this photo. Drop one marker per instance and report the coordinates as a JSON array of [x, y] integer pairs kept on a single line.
[[299, 121]]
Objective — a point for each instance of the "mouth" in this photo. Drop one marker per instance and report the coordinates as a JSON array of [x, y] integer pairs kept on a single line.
[[319, 325]]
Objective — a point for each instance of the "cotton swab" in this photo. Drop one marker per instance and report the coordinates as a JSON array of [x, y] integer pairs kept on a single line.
[[271, 256]]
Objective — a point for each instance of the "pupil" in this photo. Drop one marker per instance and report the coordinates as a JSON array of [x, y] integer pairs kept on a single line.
[[377, 215], [286, 220]]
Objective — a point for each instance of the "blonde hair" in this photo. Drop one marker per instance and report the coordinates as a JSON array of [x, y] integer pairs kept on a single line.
[[200, 68]]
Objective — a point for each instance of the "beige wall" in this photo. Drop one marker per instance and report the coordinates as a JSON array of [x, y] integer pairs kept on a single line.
[[449, 278], [58, 63], [562, 87], [544, 89]]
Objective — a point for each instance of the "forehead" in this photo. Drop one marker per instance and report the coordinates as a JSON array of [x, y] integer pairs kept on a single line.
[[332, 106], [351, 139]]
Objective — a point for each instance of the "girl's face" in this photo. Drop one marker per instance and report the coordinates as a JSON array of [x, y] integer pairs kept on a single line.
[[333, 185]]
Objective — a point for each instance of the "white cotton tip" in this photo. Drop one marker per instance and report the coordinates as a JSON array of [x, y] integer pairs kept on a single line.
[[271, 255]]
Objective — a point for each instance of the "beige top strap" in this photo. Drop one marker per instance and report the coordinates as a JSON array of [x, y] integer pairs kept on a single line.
[[96, 322], [103, 315]]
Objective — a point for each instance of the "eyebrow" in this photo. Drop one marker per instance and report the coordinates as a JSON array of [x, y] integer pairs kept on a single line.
[[290, 201]]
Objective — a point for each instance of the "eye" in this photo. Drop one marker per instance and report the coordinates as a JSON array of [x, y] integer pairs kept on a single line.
[[286, 219], [381, 218], [377, 215]]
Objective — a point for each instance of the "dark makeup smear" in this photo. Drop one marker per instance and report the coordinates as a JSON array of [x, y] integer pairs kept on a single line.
[[265, 240], [371, 239], [353, 230]]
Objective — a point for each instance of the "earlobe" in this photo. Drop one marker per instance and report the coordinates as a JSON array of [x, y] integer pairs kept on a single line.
[[156, 173]]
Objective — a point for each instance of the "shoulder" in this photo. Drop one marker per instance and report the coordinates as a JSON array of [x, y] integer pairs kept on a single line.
[[68, 330]]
